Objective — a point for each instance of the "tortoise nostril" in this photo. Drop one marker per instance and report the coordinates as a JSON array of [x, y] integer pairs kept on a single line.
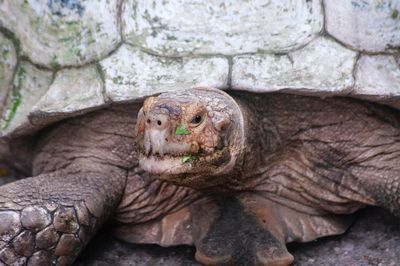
[[159, 122], [148, 121]]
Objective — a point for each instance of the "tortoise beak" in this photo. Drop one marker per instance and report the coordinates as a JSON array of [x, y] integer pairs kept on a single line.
[[155, 128]]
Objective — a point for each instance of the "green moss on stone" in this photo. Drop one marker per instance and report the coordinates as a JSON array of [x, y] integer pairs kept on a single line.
[[117, 80], [16, 97], [70, 54], [72, 26], [171, 38], [395, 14], [5, 53], [67, 39], [25, 4], [54, 63]]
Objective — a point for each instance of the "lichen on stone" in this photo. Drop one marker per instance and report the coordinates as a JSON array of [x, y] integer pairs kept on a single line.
[[16, 97]]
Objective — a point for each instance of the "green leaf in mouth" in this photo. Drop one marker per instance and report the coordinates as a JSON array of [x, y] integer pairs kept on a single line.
[[181, 130], [186, 158], [189, 158]]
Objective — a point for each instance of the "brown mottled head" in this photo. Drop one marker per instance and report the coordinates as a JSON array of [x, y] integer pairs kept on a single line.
[[192, 137]]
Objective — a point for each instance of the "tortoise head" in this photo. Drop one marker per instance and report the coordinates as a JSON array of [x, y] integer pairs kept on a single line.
[[191, 137]]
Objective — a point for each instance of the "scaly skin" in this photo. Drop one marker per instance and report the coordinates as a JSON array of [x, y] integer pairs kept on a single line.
[[251, 174], [80, 173], [297, 168]]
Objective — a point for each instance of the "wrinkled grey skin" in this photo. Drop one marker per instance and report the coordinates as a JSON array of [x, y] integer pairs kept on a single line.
[[302, 160]]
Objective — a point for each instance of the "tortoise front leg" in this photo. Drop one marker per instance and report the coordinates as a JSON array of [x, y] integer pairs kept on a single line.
[[227, 232], [48, 219], [382, 182]]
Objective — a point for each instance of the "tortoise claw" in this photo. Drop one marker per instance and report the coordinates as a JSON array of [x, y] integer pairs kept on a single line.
[[236, 237], [264, 254], [268, 258], [213, 259]]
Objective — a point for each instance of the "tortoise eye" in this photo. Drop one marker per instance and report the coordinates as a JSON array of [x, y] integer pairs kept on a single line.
[[196, 120]]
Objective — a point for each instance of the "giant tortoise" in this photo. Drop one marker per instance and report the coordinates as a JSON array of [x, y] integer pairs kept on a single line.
[[237, 174]]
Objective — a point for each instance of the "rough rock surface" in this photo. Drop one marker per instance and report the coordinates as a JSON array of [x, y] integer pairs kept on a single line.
[[374, 239], [59, 33], [321, 65], [378, 75], [30, 84], [67, 85], [8, 61], [176, 28], [368, 25], [130, 73]]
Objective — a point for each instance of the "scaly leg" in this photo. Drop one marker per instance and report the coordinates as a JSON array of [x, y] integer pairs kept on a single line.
[[48, 219], [231, 235]]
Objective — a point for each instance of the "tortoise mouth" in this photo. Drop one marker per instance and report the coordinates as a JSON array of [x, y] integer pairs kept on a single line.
[[181, 163]]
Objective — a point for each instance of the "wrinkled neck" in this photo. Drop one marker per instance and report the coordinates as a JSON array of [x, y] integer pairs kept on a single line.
[[260, 138], [248, 149]]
